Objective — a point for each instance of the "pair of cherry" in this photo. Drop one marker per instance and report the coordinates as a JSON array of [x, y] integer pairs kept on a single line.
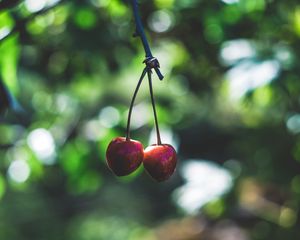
[[125, 155]]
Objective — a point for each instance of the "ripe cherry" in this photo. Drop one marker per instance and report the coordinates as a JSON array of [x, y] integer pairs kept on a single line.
[[160, 161], [124, 156]]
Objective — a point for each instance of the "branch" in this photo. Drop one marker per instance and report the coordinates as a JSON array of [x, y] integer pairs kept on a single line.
[[150, 61]]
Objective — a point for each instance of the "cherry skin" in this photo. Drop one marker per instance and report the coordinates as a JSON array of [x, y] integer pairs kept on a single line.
[[160, 161], [124, 156]]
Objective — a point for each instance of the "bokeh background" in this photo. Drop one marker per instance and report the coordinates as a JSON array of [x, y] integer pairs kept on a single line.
[[229, 104]]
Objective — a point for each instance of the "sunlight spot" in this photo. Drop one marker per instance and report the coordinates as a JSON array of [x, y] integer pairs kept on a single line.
[[236, 50], [227, 229], [249, 75], [64, 103], [161, 21], [284, 55], [109, 117], [167, 136], [230, 1], [93, 130], [293, 124], [19, 171], [100, 3], [205, 181], [4, 32], [140, 115], [34, 5], [42, 143], [52, 2]]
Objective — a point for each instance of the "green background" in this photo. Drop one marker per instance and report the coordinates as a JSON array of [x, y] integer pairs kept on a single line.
[[229, 103]]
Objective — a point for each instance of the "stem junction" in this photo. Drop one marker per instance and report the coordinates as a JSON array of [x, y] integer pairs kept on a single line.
[[151, 63]]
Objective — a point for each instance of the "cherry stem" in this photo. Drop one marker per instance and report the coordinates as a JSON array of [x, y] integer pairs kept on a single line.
[[149, 72], [141, 33], [132, 103]]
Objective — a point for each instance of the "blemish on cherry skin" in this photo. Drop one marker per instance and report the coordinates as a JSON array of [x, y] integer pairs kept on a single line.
[[124, 156]]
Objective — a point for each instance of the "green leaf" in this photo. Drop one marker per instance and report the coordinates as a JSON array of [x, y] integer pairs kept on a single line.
[[9, 52], [6, 21], [2, 186]]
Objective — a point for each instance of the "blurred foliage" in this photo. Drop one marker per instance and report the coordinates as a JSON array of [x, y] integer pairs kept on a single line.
[[229, 104]]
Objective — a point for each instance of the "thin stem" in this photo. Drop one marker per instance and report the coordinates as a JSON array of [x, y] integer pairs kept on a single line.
[[153, 106], [132, 102]]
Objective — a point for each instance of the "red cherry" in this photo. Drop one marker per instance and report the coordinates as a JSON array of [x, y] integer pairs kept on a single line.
[[124, 156], [160, 161]]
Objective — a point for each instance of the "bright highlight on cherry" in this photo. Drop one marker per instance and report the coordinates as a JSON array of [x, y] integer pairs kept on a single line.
[[125, 155]]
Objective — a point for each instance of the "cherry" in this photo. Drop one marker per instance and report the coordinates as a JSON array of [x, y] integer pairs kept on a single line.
[[160, 161], [124, 156]]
